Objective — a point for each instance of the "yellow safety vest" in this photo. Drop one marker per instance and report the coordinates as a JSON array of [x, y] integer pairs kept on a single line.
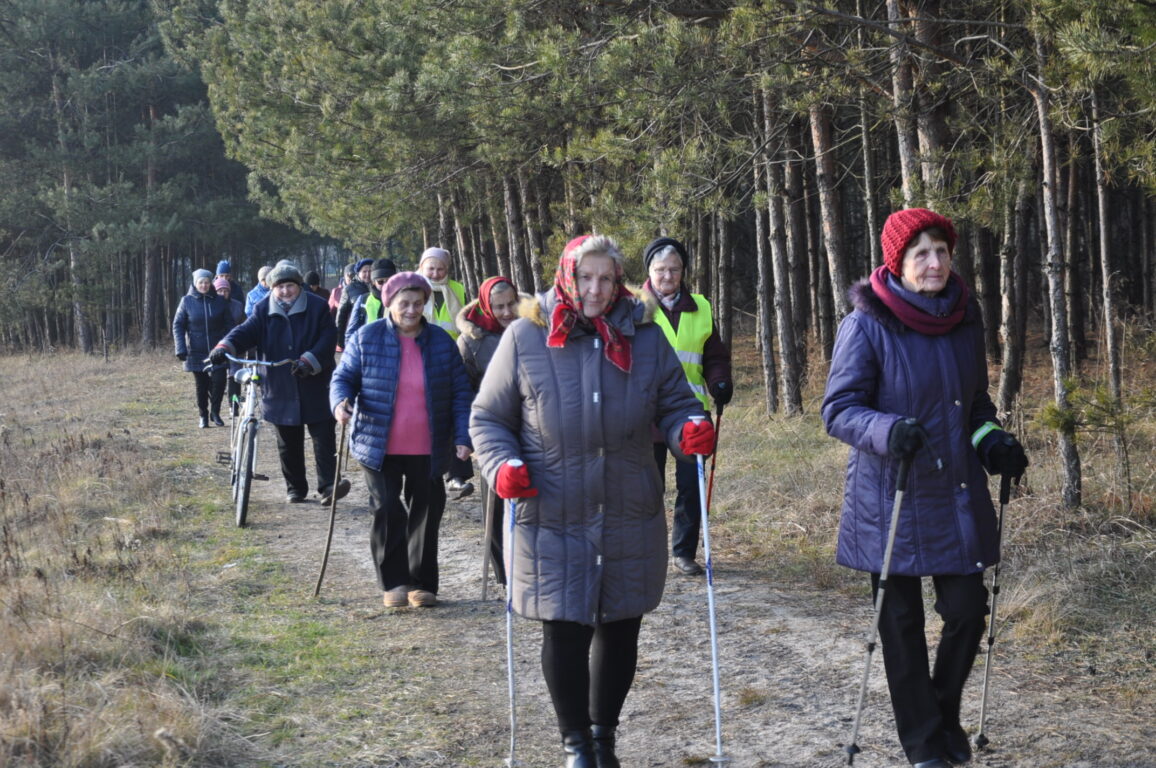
[[372, 308], [442, 317], [694, 328]]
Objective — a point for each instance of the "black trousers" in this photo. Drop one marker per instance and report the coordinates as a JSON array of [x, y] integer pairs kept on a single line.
[[687, 523], [589, 670], [210, 389], [291, 448], [404, 544], [926, 701]]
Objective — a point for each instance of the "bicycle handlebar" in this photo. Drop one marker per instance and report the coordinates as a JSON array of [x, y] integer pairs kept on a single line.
[[266, 363]]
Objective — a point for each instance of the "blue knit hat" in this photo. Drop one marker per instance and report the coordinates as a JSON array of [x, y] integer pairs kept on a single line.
[[361, 263], [223, 268]]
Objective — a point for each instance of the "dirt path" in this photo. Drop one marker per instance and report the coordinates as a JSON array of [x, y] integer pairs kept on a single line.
[[791, 662]]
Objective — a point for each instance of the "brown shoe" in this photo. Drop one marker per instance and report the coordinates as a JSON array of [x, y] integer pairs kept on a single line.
[[396, 597], [422, 598]]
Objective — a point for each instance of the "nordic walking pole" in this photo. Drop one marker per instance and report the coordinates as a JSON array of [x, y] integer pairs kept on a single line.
[[488, 531], [332, 502], [511, 761], [981, 739], [713, 456], [852, 749], [718, 757]]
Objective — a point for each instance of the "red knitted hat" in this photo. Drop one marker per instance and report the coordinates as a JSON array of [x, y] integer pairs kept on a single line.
[[903, 226]]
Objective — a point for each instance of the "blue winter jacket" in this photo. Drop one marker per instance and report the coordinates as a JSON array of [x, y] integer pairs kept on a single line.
[[881, 372], [201, 320], [259, 292], [306, 331], [367, 376]]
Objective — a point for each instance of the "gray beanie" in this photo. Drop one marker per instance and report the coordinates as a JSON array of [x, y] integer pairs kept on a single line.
[[202, 274], [284, 272]]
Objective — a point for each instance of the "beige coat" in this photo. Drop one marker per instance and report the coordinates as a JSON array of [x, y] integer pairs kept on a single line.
[[591, 547]]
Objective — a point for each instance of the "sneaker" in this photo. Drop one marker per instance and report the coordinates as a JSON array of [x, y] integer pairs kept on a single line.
[[398, 597], [341, 493], [422, 598], [295, 498], [204, 422], [688, 566], [460, 488]]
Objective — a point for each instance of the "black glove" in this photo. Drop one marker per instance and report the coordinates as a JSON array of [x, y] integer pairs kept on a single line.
[[182, 356], [217, 356], [1002, 454], [906, 437], [301, 368], [721, 392]]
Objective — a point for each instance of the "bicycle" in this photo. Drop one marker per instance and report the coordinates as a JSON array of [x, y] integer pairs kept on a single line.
[[242, 454]]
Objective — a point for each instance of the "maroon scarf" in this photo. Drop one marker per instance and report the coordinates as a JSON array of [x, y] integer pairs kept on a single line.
[[567, 311], [481, 314], [913, 317]]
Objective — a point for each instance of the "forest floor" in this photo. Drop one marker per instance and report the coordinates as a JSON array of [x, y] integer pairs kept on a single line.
[[206, 637], [791, 661]]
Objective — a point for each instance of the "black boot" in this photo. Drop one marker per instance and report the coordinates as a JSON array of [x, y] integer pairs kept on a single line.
[[604, 756], [216, 417], [579, 749]]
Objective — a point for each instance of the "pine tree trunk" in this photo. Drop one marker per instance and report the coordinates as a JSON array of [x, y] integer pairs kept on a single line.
[[763, 289], [501, 244], [1107, 268], [531, 208], [1053, 268], [797, 248], [902, 101], [792, 376], [1073, 285], [515, 236], [825, 179], [1011, 260], [724, 312]]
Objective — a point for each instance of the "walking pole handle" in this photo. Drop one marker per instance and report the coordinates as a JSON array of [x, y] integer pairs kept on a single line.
[[1004, 489]]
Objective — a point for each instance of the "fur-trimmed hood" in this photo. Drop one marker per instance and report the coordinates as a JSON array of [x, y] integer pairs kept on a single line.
[[637, 310], [864, 299], [472, 330]]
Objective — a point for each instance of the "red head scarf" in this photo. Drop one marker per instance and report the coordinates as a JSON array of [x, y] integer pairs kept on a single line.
[[568, 311], [482, 314]]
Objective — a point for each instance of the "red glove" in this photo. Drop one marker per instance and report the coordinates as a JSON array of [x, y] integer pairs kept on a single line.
[[513, 482], [697, 438]]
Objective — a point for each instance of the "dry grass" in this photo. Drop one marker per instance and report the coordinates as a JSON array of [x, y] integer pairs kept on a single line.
[[102, 664]]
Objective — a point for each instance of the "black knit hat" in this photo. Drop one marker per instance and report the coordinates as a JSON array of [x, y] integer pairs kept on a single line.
[[657, 246], [383, 269], [312, 278]]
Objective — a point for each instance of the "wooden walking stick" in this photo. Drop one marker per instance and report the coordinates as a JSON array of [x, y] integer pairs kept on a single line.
[[333, 501]]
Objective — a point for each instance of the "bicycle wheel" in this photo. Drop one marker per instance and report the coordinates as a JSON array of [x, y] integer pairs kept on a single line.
[[248, 450]]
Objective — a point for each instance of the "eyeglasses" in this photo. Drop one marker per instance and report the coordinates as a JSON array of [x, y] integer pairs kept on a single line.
[[667, 270]]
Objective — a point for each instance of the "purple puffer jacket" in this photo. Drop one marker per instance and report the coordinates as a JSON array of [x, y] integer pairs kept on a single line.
[[882, 372]]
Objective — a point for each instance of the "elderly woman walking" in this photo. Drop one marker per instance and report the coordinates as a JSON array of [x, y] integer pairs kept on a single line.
[[202, 319], [572, 391], [908, 382], [402, 383], [480, 327]]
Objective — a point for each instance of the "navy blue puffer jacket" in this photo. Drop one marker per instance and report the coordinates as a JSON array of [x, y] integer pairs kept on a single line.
[[200, 322], [881, 372], [367, 376]]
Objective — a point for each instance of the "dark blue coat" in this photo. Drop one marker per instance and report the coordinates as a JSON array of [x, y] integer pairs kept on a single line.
[[305, 332], [200, 322], [882, 372], [367, 376]]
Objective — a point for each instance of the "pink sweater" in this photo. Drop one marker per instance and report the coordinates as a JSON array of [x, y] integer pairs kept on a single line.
[[409, 433]]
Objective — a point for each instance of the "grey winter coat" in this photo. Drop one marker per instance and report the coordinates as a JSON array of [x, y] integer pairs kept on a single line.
[[476, 344], [881, 372], [591, 546]]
